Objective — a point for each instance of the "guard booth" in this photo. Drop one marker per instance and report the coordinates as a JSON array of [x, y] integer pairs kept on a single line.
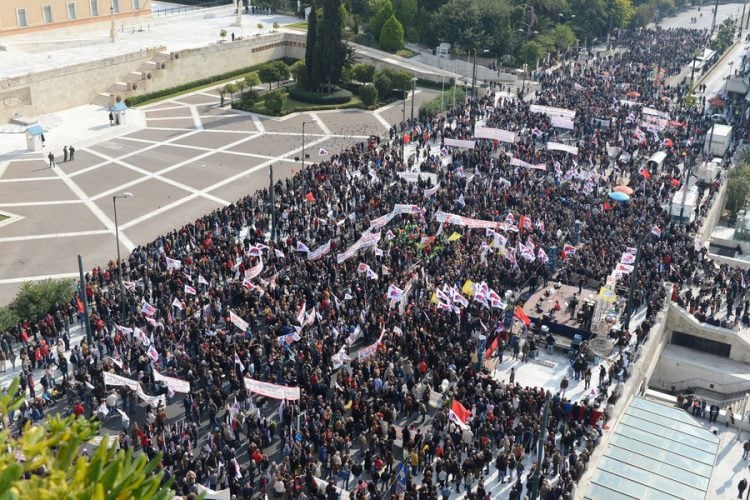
[[118, 110], [34, 135]]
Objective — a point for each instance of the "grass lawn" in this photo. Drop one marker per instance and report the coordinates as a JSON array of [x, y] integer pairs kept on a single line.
[[3, 217], [406, 53], [293, 105], [300, 25]]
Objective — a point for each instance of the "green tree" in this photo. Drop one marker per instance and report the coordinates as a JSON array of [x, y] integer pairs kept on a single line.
[[53, 468], [392, 35], [738, 186], [400, 79], [241, 86], [563, 36], [368, 93], [37, 298], [363, 72], [251, 79], [383, 83], [230, 88], [406, 12], [274, 71], [275, 101], [299, 73], [8, 319], [382, 14], [331, 54], [531, 52], [312, 66]]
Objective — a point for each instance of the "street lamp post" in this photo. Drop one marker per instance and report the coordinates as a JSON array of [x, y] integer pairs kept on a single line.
[[117, 241], [272, 195], [413, 89]]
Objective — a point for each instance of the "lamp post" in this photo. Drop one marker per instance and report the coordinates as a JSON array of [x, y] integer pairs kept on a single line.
[[112, 31], [474, 73], [272, 195], [413, 89], [117, 241]]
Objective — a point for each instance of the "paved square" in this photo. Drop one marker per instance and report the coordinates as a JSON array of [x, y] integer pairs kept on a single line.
[[184, 158]]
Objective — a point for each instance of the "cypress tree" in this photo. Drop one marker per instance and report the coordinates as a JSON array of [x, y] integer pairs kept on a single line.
[[311, 49]]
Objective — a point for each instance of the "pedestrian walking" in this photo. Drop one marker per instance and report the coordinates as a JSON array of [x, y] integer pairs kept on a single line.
[[741, 487], [72, 152], [65, 154], [51, 158]]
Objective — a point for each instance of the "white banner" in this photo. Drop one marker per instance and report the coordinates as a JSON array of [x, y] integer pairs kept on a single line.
[[320, 251], [238, 322], [517, 162], [562, 122], [429, 192], [558, 146], [552, 111], [254, 271], [176, 384], [210, 494], [273, 391], [495, 134], [459, 220], [365, 241], [459, 143], [112, 379]]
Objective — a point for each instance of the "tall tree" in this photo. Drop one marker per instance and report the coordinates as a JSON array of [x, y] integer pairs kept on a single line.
[[330, 51], [311, 48]]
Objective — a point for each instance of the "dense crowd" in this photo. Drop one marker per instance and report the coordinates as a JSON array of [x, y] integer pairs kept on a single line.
[[309, 320]]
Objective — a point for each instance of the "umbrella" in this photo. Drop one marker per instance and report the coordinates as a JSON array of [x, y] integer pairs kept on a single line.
[[633, 93], [716, 102], [622, 189], [618, 196]]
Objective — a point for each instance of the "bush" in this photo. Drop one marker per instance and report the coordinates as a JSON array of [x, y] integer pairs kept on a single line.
[[383, 83], [8, 319], [392, 35], [37, 298], [275, 101], [299, 72], [363, 72], [365, 39], [383, 13], [246, 102], [274, 71], [432, 108], [338, 96], [368, 94]]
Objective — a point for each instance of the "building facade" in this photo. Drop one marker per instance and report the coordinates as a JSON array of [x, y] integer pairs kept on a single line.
[[22, 16]]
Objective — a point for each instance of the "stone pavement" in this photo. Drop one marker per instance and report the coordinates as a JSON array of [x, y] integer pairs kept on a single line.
[[180, 158]]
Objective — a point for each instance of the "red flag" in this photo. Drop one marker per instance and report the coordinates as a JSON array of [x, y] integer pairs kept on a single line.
[[459, 414], [675, 182], [521, 316], [492, 348], [80, 304], [607, 206], [309, 196], [645, 173], [524, 223]]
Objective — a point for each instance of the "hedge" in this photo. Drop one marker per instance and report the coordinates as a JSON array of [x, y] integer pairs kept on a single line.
[[203, 82], [339, 96], [432, 108]]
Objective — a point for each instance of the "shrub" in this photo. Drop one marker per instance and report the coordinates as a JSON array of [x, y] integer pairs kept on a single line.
[[246, 101], [392, 35], [37, 298], [299, 72], [338, 96], [383, 83], [8, 318], [368, 94], [363, 72], [433, 107], [275, 101], [365, 39], [383, 13]]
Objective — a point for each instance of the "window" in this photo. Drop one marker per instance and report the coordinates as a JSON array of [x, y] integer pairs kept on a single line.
[[21, 17], [94, 5], [71, 10], [136, 4], [47, 14], [115, 6]]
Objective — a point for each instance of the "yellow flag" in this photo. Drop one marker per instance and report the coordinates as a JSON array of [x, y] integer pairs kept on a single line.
[[434, 299], [468, 288], [454, 237], [607, 295]]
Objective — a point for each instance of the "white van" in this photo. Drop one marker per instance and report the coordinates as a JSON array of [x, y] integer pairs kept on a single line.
[[655, 162]]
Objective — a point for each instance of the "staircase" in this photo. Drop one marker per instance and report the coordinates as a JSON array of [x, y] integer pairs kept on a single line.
[[733, 400], [131, 82]]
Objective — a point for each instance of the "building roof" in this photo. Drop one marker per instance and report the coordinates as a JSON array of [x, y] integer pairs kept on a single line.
[[656, 451]]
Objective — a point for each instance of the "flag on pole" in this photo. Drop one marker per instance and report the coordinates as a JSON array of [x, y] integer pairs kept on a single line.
[[301, 247], [202, 280], [645, 173], [148, 309], [173, 264], [238, 361], [178, 304], [189, 290], [521, 316], [459, 415], [656, 231]]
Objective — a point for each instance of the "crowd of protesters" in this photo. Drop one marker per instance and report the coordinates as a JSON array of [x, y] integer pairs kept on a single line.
[[359, 418]]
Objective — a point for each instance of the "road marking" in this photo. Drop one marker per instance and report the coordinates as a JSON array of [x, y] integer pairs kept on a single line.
[[11, 281], [98, 212], [30, 179], [40, 203], [31, 237], [196, 118], [320, 123]]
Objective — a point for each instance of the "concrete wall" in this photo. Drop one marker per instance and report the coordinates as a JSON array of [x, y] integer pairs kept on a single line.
[[683, 368], [63, 88], [681, 321]]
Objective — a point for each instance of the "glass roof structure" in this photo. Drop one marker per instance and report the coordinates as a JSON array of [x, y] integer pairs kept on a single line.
[[656, 452]]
